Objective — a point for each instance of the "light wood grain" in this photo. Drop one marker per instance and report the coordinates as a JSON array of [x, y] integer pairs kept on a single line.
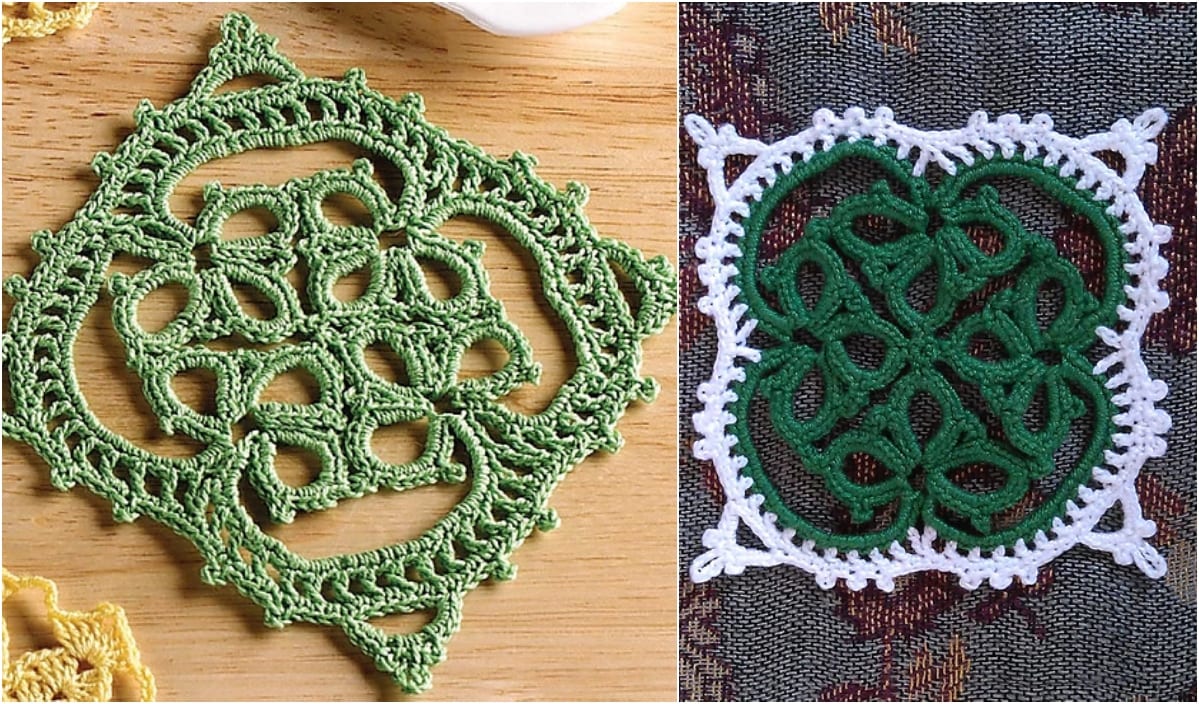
[[592, 613]]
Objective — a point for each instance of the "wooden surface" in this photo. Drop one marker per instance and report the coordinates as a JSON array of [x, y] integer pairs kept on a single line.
[[592, 613]]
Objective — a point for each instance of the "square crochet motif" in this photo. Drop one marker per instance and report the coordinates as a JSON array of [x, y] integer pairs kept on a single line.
[[911, 374], [507, 462]]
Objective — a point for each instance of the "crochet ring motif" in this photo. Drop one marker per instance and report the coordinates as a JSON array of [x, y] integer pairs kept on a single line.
[[510, 460], [1011, 383]]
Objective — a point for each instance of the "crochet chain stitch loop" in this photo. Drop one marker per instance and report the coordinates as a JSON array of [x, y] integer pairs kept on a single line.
[[512, 460], [803, 331]]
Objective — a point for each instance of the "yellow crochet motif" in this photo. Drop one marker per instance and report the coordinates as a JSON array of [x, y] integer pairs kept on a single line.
[[40, 22], [95, 646]]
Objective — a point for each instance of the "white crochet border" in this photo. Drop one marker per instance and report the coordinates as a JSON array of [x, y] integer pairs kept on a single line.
[[1140, 424]]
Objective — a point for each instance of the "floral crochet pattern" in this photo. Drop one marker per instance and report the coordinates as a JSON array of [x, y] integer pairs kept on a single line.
[[94, 646], [38, 21], [925, 356], [511, 461]]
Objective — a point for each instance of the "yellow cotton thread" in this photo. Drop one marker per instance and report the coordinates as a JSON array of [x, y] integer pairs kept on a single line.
[[40, 22], [94, 646]]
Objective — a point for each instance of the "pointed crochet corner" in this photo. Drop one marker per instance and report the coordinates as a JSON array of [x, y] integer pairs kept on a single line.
[[1133, 142], [242, 51], [716, 144], [407, 658], [712, 151]]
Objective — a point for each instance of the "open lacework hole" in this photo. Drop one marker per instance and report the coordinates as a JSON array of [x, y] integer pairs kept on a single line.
[[1113, 160], [1112, 519], [253, 302], [483, 358], [296, 466], [346, 210], [810, 282], [1051, 301], [400, 443], [978, 477], [392, 238], [128, 264], [248, 223], [987, 347], [877, 230], [354, 285], [924, 417], [404, 624], [809, 396], [867, 352], [245, 82], [921, 294], [383, 361], [197, 389], [988, 240], [296, 385], [441, 280], [1036, 416], [861, 468], [160, 306], [632, 297], [735, 165]]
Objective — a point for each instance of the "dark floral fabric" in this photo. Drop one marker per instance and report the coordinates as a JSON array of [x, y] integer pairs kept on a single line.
[[1088, 629]]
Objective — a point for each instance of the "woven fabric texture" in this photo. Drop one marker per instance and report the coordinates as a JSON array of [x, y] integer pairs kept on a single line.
[[1087, 629]]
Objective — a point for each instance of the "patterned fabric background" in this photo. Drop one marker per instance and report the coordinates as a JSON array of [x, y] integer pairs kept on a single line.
[[1088, 629]]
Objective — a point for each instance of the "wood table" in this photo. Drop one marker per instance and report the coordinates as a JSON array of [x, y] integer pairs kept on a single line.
[[592, 614]]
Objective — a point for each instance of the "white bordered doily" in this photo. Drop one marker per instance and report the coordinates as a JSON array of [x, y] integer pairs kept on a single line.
[[980, 552]]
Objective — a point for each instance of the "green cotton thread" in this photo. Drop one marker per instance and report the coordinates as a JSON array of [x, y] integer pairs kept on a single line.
[[926, 351], [513, 461]]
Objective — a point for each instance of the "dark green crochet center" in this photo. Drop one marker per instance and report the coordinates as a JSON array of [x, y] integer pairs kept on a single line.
[[919, 376]]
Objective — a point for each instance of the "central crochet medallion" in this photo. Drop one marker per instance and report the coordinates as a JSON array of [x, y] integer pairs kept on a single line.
[[894, 295]]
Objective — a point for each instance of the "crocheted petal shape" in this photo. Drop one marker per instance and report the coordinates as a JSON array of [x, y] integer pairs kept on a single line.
[[240, 288]]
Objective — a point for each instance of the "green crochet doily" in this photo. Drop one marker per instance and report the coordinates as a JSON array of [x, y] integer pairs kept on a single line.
[[514, 460], [874, 348]]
